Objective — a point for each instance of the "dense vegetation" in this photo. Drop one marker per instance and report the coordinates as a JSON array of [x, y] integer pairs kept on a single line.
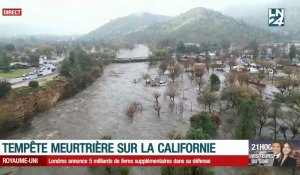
[[81, 68], [33, 84], [5, 87]]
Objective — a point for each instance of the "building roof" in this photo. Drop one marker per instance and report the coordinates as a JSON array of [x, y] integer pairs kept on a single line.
[[20, 63]]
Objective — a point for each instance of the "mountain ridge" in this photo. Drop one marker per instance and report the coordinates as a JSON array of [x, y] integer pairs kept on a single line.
[[123, 25], [196, 25]]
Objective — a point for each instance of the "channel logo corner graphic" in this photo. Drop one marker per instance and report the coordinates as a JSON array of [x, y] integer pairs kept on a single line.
[[276, 17]]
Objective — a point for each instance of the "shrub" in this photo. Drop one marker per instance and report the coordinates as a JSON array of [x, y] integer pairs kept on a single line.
[[202, 121], [197, 134], [81, 68], [33, 84], [133, 108], [5, 87], [96, 71], [214, 82]]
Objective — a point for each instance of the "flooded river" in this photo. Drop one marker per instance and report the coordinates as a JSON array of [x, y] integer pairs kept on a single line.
[[99, 111]]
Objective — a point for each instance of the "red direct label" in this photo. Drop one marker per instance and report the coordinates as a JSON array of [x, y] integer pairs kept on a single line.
[[11, 12]]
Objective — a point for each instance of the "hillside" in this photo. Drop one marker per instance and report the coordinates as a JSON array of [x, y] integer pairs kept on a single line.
[[199, 25], [119, 27]]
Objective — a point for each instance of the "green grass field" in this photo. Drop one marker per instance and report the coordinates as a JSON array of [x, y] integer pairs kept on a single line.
[[42, 81], [14, 73]]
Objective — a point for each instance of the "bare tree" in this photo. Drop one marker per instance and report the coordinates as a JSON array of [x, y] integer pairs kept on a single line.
[[260, 76], [283, 84], [288, 71], [262, 113], [199, 82], [186, 65], [192, 63], [231, 78], [171, 105], [180, 108], [146, 77], [292, 84], [163, 66], [208, 99], [157, 107], [221, 108], [283, 62], [133, 108], [199, 71], [174, 71], [171, 91], [290, 122], [275, 113], [243, 78], [266, 65], [156, 95]]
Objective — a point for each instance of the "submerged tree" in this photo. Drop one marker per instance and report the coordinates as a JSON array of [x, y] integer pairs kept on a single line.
[[199, 71], [156, 95], [208, 99], [174, 71], [157, 107], [163, 66], [133, 108], [171, 91]]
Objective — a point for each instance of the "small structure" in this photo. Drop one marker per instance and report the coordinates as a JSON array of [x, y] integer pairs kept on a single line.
[[220, 64], [19, 65], [196, 65]]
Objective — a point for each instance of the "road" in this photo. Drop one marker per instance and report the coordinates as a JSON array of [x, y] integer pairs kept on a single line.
[[25, 83], [46, 69]]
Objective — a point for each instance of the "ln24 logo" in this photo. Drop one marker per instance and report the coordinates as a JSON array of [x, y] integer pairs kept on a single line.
[[276, 17]]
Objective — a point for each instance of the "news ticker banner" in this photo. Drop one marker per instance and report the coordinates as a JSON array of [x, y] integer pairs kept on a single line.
[[127, 152]]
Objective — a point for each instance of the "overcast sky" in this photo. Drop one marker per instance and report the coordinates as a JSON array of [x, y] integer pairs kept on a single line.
[[82, 16]]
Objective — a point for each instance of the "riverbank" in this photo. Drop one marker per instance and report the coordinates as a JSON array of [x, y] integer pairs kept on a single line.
[[25, 102]]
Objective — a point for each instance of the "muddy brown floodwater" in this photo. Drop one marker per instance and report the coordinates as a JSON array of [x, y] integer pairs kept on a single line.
[[99, 110]]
